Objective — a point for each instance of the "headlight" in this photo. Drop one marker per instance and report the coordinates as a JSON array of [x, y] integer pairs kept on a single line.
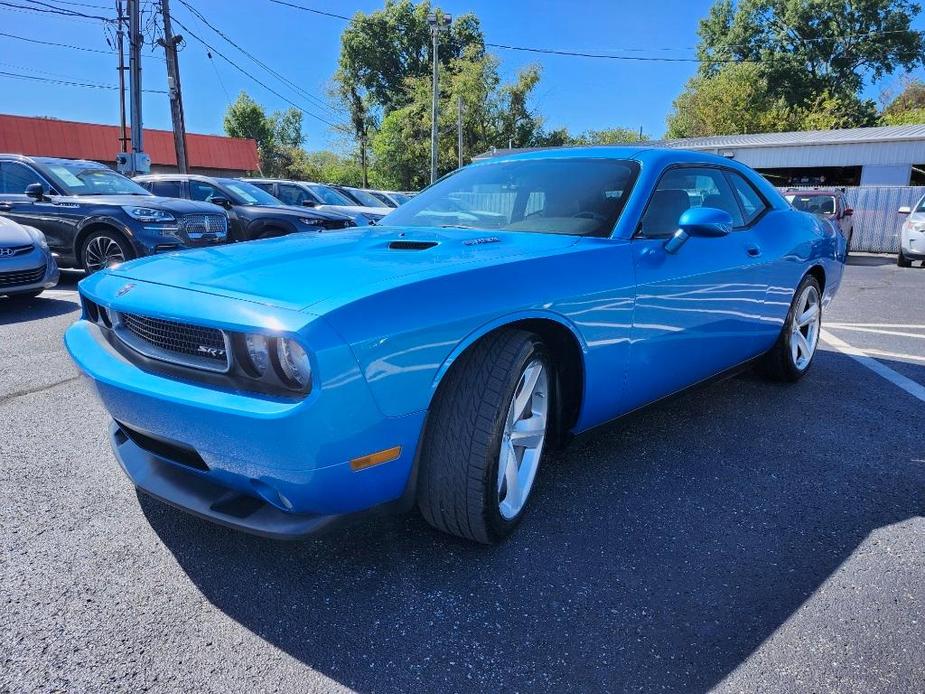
[[293, 360], [311, 221], [149, 214], [258, 351]]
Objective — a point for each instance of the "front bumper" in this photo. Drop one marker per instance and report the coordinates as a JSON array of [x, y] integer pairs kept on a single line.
[[21, 274], [291, 455], [912, 244]]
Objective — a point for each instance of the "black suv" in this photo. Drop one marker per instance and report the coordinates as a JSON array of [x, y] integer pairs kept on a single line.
[[252, 212], [93, 216]]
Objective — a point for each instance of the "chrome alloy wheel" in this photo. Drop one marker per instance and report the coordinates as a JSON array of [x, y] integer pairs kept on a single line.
[[101, 252], [804, 328], [523, 438]]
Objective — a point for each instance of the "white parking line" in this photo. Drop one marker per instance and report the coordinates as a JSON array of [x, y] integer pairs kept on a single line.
[[859, 329], [875, 325], [907, 384], [893, 355]]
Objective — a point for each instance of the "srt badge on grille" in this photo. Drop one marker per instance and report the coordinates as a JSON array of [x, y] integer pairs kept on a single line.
[[211, 351], [125, 289]]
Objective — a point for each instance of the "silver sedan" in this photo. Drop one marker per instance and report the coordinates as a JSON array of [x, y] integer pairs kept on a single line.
[[27, 267]]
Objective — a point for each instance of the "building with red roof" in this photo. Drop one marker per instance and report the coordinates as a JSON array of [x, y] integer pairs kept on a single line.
[[212, 155]]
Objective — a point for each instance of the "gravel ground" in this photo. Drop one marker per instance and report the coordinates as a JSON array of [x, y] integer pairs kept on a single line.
[[744, 537]]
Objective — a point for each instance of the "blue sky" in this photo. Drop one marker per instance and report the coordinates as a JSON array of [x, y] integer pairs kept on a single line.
[[575, 92]]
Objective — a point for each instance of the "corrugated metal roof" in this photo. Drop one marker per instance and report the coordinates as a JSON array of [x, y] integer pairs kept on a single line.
[[888, 133], [73, 140]]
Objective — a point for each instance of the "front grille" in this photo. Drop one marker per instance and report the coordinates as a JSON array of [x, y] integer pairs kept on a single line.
[[21, 277], [179, 343], [198, 226], [11, 251]]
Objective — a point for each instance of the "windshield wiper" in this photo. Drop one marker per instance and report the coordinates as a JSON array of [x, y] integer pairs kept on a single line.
[[457, 226]]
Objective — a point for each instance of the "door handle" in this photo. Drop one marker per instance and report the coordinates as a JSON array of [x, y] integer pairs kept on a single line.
[[753, 250]]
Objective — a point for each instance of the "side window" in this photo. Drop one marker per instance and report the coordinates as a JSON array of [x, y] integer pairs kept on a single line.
[[752, 204], [199, 190], [14, 177], [292, 195], [681, 189], [166, 189]]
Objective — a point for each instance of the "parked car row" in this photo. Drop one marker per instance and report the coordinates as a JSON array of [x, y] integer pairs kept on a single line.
[[81, 214]]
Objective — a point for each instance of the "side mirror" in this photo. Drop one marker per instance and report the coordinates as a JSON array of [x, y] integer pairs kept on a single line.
[[36, 191], [848, 212], [221, 202], [905, 209], [308, 203], [707, 222]]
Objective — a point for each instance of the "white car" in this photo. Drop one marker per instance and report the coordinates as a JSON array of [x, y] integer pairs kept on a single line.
[[912, 237], [320, 197]]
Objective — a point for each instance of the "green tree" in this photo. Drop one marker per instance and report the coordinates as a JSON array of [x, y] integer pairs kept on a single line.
[[737, 99], [279, 135], [805, 47], [908, 108], [794, 64]]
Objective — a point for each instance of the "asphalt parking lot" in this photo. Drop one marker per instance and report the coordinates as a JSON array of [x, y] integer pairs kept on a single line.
[[743, 537]]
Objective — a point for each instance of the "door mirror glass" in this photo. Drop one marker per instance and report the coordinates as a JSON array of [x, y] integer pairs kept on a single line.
[[221, 202]]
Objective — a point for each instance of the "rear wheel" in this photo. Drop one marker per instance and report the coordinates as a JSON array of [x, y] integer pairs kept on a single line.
[[795, 349], [902, 260], [104, 248], [486, 437]]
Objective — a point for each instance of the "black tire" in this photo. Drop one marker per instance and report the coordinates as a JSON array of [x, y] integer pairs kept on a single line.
[[103, 237], [902, 260], [778, 364], [457, 488], [848, 243]]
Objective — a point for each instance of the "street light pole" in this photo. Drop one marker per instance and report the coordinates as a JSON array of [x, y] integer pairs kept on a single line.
[[437, 23]]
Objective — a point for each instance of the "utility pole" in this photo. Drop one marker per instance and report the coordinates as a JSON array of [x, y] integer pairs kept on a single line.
[[437, 23], [459, 128], [120, 46], [138, 161], [169, 42], [363, 158]]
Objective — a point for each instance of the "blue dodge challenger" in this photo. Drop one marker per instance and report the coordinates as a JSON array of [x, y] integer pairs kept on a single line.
[[282, 386]]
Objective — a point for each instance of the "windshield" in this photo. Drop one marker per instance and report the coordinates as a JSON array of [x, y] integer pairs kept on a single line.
[[364, 198], [817, 204], [400, 198], [76, 179], [249, 194], [581, 197], [329, 196]]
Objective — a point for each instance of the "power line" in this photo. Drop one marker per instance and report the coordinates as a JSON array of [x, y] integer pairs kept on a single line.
[[315, 100], [47, 8], [244, 72], [611, 56], [70, 83], [314, 11], [63, 45]]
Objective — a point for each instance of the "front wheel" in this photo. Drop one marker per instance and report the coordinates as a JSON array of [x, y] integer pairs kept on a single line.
[[795, 349], [104, 248], [902, 260], [485, 437]]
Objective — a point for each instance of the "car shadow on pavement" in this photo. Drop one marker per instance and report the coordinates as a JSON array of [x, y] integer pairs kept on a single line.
[[21, 310], [659, 552], [871, 260]]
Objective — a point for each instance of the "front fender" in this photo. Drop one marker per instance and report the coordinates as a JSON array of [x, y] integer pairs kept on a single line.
[[500, 322], [87, 224]]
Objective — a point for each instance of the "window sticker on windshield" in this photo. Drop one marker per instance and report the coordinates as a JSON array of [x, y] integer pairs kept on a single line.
[[65, 175], [243, 193]]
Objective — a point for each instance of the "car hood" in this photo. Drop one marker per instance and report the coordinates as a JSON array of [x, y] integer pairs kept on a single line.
[[12, 234], [356, 209], [289, 211], [916, 217], [302, 270], [175, 206]]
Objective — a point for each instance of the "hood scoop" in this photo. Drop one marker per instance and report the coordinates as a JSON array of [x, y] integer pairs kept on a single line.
[[411, 245]]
